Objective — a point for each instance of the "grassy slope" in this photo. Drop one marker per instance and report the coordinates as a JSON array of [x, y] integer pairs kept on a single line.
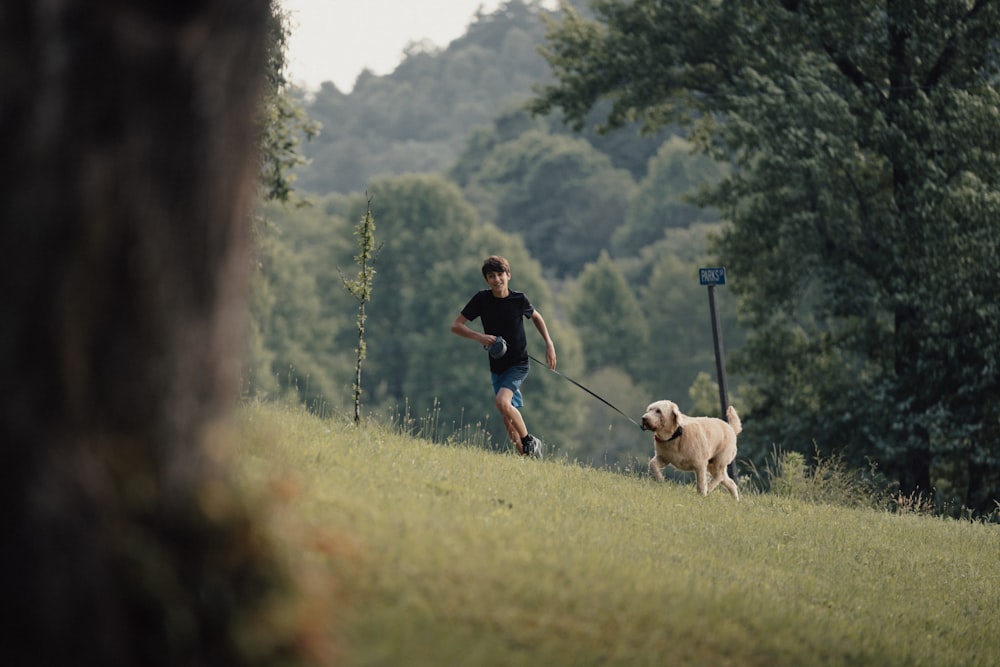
[[449, 555]]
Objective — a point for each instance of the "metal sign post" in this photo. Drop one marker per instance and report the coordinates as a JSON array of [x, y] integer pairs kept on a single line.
[[712, 276]]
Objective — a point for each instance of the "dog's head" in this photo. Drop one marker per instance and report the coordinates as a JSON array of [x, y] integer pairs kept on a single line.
[[662, 417]]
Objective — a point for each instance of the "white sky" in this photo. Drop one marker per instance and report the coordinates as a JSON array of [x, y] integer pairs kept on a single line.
[[334, 40]]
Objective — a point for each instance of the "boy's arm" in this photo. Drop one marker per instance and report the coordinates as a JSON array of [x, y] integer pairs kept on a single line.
[[550, 348], [459, 328]]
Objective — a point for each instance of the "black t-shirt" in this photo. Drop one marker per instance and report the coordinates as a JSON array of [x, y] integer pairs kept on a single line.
[[502, 317]]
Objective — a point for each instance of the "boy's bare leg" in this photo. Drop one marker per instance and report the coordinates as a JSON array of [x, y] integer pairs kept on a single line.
[[512, 434], [512, 418]]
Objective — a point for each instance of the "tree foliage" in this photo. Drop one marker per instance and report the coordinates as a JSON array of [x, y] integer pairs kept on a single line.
[[284, 123], [297, 307], [678, 317], [864, 138], [361, 289], [664, 196], [432, 250], [562, 196], [416, 119], [609, 319]]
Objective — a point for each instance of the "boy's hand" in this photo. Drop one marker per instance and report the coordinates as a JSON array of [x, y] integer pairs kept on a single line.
[[550, 356]]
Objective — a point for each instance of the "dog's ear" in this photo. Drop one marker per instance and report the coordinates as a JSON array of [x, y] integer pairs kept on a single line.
[[676, 413]]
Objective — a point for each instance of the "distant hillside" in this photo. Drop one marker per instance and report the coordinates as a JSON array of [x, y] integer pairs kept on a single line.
[[418, 118]]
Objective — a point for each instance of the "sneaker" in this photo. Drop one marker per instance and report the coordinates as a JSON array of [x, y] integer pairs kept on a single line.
[[532, 447]]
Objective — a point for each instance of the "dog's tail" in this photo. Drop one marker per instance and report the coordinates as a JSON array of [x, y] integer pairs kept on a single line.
[[734, 420]]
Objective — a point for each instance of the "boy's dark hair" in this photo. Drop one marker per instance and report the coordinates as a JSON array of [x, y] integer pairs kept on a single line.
[[495, 264]]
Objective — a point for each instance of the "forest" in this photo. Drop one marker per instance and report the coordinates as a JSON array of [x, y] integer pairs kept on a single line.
[[846, 178]]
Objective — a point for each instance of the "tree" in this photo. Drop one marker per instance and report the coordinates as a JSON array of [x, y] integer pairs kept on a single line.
[[424, 221], [677, 315], [605, 438], [361, 289], [283, 127], [296, 309], [662, 200], [416, 119], [864, 141], [433, 248], [284, 123], [129, 138], [559, 193], [609, 318]]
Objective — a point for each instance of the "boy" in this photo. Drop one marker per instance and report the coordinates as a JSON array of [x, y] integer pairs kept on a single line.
[[501, 310]]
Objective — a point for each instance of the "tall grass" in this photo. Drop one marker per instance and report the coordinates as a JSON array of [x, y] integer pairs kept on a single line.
[[446, 554], [429, 427], [827, 481]]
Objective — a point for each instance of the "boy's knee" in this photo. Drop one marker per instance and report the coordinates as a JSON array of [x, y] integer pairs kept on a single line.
[[502, 399]]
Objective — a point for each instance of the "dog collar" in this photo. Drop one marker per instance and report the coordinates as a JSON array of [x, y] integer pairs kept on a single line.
[[677, 434]]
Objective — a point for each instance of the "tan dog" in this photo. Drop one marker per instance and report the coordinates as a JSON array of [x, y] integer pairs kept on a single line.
[[705, 445]]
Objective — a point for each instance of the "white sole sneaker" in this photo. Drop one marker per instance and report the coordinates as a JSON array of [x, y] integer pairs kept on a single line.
[[533, 448]]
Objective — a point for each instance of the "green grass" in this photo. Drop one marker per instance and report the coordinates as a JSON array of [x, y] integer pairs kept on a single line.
[[444, 555]]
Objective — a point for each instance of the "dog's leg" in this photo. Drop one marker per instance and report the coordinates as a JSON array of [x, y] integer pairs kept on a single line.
[[716, 479], [728, 482], [656, 468], [720, 475], [701, 476]]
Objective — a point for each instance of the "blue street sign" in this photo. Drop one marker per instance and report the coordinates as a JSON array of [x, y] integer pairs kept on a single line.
[[712, 275]]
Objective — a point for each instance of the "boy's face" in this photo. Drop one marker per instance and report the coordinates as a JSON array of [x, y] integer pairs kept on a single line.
[[497, 280]]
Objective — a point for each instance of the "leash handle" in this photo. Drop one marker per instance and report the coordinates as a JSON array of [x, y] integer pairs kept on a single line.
[[566, 377]]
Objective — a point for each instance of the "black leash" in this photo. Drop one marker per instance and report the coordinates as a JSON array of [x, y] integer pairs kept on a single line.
[[566, 377]]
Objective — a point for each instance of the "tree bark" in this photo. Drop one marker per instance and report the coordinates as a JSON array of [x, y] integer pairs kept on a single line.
[[129, 134]]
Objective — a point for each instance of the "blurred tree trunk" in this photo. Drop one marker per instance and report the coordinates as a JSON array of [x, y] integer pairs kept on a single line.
[[128, 132]]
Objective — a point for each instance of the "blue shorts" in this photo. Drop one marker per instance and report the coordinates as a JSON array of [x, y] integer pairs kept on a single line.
[[511, 379]]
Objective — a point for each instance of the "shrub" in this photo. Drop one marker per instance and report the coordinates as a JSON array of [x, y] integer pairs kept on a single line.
[[827, 481]]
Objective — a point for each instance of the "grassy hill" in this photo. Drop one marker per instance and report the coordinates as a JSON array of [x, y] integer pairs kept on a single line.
[[444, 555]]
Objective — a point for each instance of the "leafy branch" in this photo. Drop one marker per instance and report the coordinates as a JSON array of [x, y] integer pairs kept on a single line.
[[361, 289]]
